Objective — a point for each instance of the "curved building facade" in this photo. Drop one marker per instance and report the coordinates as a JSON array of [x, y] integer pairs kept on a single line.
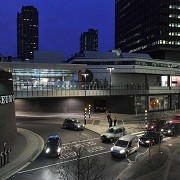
[[8, 129]]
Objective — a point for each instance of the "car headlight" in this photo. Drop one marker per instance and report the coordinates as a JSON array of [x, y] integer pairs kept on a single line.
[[152, 127], [162, 130], [59, 149], [83, 125], [122, 151], [112, 149], [79, 126], [47, 150], [147, 141], [169, 131]]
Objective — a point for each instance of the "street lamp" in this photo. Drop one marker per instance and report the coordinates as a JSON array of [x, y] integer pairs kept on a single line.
[[110, 70], [85, 109], [85, 75]]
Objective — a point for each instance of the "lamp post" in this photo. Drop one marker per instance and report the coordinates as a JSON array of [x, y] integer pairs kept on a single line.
[[85, 109], [85, 75], [110, 70]]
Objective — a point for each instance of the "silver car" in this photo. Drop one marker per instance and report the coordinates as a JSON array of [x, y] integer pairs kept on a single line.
[[125, 146], [113, 133]]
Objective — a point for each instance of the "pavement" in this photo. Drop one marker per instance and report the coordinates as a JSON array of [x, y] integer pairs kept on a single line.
[[145, 167]]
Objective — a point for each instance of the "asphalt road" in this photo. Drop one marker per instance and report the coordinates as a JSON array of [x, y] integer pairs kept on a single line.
[[46, 168]]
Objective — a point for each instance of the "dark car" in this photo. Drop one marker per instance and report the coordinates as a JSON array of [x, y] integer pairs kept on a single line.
[[72, 123], [155, 125], [53, 145], [171, 129], [150, 138]]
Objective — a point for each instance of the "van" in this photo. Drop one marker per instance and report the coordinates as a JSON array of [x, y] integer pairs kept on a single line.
[[125, 146]]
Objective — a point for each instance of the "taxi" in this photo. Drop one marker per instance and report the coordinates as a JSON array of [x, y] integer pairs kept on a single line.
[[53, 145]]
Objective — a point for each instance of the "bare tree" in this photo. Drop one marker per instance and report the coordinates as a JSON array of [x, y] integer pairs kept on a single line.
[[81, 167]]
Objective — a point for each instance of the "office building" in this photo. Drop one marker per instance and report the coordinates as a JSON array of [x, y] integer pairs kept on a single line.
[[151, 27], [89, 41], [27, 32]]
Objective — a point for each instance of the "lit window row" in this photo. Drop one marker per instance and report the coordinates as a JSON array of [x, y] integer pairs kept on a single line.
[[174, 7], [169, 42], [139, 48], [174, 25], [174, 16], [174, 33]]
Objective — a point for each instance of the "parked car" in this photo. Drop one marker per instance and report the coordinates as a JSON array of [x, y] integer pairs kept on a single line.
[[155, 125], [125, 146], [175, 118], [53, 145], [72, 123], [171, 129], [150, 138], [113, 133]]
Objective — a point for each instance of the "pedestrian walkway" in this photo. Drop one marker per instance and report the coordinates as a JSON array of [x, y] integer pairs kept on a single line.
[[28, 146]]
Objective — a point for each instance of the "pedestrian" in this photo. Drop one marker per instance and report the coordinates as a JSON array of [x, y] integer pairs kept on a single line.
[[110, 122], [108, 117], [115, 121]]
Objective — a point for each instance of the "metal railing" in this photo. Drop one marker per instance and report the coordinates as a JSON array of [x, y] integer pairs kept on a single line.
[[92, 89]]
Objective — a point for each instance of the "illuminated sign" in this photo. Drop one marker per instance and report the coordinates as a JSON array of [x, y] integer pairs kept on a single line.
[[7, 99]]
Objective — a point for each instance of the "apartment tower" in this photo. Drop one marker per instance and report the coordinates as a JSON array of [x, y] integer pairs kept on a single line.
[[148, 26], [27, 32], [89, 40]]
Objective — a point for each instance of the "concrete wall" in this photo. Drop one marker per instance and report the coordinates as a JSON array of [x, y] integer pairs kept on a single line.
[[128, 78], [8, 128], [117, 104]]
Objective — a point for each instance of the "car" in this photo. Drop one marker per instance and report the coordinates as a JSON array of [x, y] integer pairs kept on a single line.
[[155, 125], [113, 133], [72, 123], [150, 138], [53, 145], [171, 129], [125, 146], [175, 118]]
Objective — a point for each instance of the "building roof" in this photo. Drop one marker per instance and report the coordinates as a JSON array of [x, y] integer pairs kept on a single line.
[[107, 55], [135, 55]]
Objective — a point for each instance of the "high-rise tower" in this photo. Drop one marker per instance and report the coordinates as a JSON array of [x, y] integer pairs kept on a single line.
[[148, 26], [27, 32], [89, 40]]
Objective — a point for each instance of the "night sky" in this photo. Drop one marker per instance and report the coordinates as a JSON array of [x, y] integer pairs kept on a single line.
[[61, 23]]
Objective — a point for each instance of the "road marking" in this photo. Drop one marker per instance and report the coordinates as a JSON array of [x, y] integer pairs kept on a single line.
[[130, 162], [73, 153], [81, 141], [42, 167], [166, 139]]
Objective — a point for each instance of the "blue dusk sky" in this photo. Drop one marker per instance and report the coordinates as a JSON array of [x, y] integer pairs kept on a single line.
[[61, 23]]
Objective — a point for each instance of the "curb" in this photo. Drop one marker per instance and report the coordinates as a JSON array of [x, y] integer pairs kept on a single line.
[[35, 145]]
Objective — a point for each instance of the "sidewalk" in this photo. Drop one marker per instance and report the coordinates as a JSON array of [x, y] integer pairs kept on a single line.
[[29, 145]]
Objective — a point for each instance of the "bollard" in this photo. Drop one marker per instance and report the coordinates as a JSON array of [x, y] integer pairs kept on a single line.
[[4, 158], [8, 152], [1, 159]]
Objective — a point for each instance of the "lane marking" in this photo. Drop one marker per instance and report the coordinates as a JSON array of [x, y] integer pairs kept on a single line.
[[81, 141], [42, 167]]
